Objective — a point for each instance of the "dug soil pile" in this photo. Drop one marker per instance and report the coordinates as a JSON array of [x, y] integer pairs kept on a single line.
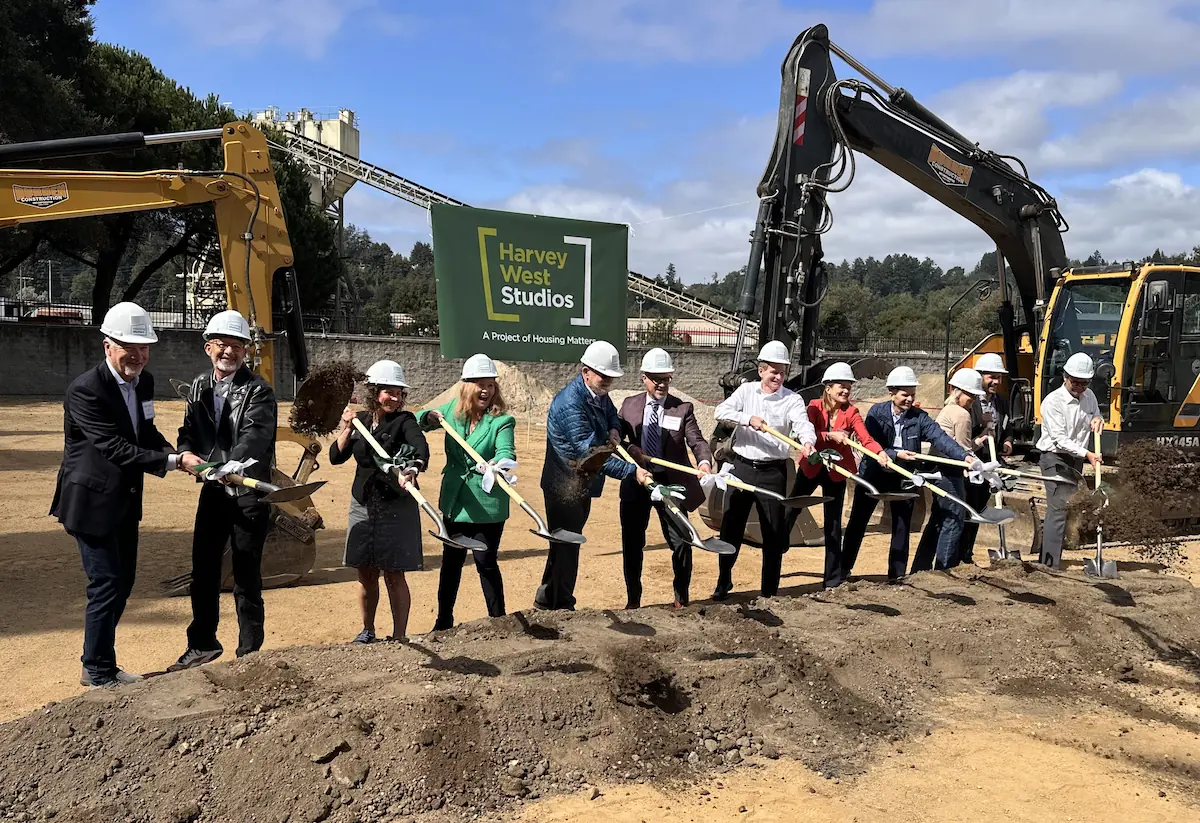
[[527, 398], [468, 723]]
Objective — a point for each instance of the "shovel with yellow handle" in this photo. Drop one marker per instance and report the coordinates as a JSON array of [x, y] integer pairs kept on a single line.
[[801, 502], [1097, 566], [558, 535], [270, 492], [849, 475], [711, 544], [990, 516], [441, 534]]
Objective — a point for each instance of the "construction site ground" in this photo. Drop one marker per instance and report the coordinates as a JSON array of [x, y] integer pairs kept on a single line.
[[988, 694]]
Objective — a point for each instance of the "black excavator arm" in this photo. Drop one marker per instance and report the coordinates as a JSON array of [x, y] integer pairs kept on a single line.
[[823, 121]]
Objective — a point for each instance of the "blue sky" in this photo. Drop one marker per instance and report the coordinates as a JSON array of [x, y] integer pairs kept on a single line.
[[639, 110]]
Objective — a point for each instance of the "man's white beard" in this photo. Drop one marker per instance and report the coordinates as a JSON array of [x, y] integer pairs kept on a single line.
[[227, 368]]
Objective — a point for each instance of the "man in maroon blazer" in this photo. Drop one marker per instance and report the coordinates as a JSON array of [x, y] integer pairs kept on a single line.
[[659, 425]]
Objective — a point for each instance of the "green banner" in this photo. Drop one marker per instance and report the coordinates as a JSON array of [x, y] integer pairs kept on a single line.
[[523, 287]]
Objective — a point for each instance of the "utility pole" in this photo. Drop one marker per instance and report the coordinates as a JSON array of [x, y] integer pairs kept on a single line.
[[50, 282]]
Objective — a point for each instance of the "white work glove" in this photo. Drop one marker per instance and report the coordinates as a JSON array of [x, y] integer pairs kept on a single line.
[[502, 467], [232, 467], [718, 479]]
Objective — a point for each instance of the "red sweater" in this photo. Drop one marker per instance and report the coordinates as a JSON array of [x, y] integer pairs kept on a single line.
[[847, 420]]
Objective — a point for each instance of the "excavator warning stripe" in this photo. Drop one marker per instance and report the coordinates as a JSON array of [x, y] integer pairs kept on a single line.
[[801, 110]]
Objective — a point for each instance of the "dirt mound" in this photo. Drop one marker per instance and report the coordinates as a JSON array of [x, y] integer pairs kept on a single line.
[[462, 724], [704, 412], [1154, 484], [527, 397]]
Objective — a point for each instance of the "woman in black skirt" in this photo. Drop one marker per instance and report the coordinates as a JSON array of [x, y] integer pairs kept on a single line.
[[383, 533]]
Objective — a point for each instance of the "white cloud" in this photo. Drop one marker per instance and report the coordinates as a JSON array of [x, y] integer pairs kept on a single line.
[[306, 26]]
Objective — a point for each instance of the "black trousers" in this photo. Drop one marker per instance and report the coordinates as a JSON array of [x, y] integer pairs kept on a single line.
[[635, 519], [772, 521], [856, 527], [222, 521], [110, 563], [562, 562], [486, 563], [978, 497], [836, 570]]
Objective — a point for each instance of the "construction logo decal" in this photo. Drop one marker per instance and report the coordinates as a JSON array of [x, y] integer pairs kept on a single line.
[[949, 171], [40, 197], [522, 287]]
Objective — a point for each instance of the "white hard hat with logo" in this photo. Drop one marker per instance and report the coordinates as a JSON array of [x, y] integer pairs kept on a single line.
[[602, 357], [902, 377], [1079, 365], [386, 373], [478, 366], [839, 373], [128, 323], [227, 324], [657, 361], [774, 352], [968, 380], [990, 363]]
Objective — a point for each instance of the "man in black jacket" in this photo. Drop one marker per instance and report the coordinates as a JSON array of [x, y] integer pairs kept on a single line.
[[231, 416], [989, 417], [109, 443]]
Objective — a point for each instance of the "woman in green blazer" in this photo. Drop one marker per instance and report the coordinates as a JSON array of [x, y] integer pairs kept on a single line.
[[478, 414]]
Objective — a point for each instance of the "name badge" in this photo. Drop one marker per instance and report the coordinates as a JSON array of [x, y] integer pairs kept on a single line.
[[148, 409], [672, 424]]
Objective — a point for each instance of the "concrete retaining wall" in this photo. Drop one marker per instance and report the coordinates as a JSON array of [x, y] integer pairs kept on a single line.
[[42, 360]]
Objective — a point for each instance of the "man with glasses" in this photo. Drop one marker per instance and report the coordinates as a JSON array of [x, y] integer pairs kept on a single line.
[[1070, 414], [230, 417], [658, 424]]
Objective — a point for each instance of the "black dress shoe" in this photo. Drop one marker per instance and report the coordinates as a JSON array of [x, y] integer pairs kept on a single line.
[[721, 592]]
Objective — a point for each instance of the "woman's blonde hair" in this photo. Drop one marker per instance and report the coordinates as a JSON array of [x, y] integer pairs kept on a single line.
[[468, 390]]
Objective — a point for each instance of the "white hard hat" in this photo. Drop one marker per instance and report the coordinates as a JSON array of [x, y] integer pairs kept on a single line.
[[657, 361], [1081, 366], [602, 357], [774, 352], [386, 373], [991, 363], [969, 380], [839, 373], [128, 323], [902, 377], [477, 366], [227, 324]]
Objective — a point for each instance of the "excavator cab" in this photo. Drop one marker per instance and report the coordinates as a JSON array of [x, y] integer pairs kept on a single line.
[[1141, 326]]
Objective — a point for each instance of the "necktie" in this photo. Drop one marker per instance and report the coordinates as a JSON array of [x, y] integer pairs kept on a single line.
[[650, 436]]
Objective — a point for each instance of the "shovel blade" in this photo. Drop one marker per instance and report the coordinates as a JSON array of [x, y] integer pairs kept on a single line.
[[287, 494], [1101, 568], [717, 546], [560, 536], [994, 517], [458, 542], [804, 501], [895, 497]]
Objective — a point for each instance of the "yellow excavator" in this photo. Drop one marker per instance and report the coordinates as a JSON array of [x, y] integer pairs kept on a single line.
[[255, 252]]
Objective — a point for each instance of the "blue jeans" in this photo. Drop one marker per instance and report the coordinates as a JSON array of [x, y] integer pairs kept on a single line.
[[110, 563], [940, 547]]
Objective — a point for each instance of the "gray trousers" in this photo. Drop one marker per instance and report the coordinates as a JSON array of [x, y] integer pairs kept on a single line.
[[1057, 496]]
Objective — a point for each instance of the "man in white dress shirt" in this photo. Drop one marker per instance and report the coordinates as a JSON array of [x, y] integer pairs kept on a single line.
[[761, 460], [1070, 414]]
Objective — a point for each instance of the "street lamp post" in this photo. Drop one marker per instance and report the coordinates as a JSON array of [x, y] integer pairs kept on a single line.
[[984, 287]]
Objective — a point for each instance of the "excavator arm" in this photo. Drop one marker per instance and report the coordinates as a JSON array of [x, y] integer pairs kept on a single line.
[[250, 226], [822, 123]]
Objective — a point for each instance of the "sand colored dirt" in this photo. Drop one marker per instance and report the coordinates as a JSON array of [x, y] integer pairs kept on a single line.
[[1044, 696]]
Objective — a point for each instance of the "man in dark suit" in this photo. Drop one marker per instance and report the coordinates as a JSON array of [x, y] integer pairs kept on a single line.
[[230, 416], [110, 442], [990, 416], [659, 425]]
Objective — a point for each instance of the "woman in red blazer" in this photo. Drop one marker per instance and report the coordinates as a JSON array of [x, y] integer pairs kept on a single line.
[[835, 418]]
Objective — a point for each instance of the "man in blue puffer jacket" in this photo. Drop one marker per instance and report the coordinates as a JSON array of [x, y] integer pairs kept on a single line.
[[581, 417]]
